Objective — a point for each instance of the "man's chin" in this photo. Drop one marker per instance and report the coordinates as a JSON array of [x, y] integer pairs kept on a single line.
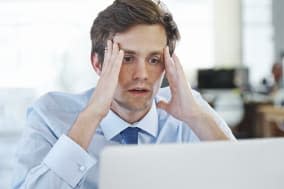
[[139, 107], [135, 106]]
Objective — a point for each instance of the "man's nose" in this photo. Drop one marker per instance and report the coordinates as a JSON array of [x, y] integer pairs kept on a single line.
[[140, 71]]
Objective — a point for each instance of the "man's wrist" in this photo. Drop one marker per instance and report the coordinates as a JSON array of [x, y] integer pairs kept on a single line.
[[206, 127], [84, 127], [91, 115]]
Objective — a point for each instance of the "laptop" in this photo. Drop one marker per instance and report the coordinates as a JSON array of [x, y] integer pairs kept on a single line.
[[246, 164]]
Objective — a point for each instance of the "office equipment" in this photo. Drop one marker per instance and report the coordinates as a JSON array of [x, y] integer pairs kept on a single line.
[[247, 164], [223, 78]]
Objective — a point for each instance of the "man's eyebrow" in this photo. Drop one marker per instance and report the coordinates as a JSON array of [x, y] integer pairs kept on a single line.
[[152, 53], [128, 51], [157, 52]]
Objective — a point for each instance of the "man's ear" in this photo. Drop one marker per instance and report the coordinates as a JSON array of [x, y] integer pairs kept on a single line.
[[97, 66]]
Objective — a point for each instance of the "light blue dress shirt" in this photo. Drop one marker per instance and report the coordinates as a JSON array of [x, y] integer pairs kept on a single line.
[[48, 159]]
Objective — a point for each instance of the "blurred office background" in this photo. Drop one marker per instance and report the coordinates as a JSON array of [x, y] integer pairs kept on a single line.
[[227, 50]]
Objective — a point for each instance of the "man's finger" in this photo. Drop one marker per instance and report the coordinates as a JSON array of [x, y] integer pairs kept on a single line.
[[170, 68], [162, 105], [118, 61], [178, 64], [107, 54], [115, 51]]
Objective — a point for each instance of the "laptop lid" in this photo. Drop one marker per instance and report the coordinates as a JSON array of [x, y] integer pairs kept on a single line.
[[247, 164]]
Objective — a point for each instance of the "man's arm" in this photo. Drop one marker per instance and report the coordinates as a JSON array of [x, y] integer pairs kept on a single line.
[[43, 161], [183, 105], [83, 130]]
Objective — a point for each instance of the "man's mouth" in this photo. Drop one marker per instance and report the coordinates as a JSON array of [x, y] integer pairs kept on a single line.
[[139, 91]]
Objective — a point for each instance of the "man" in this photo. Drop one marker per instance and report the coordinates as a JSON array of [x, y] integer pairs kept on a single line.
[[277, 76], [133, 44]]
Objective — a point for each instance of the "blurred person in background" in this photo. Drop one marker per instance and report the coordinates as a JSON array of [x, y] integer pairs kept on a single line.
[[277, 72], [272, 84]]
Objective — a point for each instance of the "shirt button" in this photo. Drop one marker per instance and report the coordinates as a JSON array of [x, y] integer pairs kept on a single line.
[[82, 168]]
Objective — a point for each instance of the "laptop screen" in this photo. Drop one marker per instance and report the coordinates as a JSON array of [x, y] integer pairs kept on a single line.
[[248, 164]]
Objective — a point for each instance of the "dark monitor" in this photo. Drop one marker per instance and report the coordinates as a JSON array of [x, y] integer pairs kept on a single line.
[[216, 79]]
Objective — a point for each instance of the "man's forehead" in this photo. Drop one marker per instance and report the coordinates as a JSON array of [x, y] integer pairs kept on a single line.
[[142, 39], [142, 31], [152, 51]]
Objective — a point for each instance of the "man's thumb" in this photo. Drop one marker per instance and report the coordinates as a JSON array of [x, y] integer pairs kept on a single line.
[[162, 105]]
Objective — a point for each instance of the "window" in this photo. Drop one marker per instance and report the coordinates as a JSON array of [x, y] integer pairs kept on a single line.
[[258, 49], [45, 45]]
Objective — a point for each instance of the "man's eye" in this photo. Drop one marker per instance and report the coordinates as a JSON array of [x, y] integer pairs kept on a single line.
[[155, 60], [128, 59]]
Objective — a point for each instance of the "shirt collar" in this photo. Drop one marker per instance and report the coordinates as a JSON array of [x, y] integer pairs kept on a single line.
[[112, 124]]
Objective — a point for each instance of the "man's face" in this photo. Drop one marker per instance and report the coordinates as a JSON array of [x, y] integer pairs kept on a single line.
[[142, 67]]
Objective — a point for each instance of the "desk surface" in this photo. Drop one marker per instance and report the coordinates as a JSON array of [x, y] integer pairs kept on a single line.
[[270, 109], [270, 121]]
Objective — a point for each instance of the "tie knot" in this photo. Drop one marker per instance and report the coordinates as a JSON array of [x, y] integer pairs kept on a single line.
[[130, 135]]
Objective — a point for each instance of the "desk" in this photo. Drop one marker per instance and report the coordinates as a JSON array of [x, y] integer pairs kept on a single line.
[[270, 121]]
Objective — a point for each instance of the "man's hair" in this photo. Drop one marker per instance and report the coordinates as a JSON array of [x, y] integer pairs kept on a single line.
[[123, 14]]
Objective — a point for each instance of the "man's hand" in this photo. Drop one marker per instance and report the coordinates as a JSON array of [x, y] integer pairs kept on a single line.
[[103, 95], [182, 104], [99, 104]]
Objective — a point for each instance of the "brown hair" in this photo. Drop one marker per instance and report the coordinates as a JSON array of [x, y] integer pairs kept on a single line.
[[123, 14]]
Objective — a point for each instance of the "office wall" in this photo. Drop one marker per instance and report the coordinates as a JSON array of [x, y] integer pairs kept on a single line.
[[227, 33], [257, 36], [278, 23]]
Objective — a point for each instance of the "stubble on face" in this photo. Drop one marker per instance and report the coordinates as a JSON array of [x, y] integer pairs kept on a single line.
[[135, 103], [142, 41]]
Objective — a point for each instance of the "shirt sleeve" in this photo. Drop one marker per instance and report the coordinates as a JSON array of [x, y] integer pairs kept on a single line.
[[44, 161], [68, 160]]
